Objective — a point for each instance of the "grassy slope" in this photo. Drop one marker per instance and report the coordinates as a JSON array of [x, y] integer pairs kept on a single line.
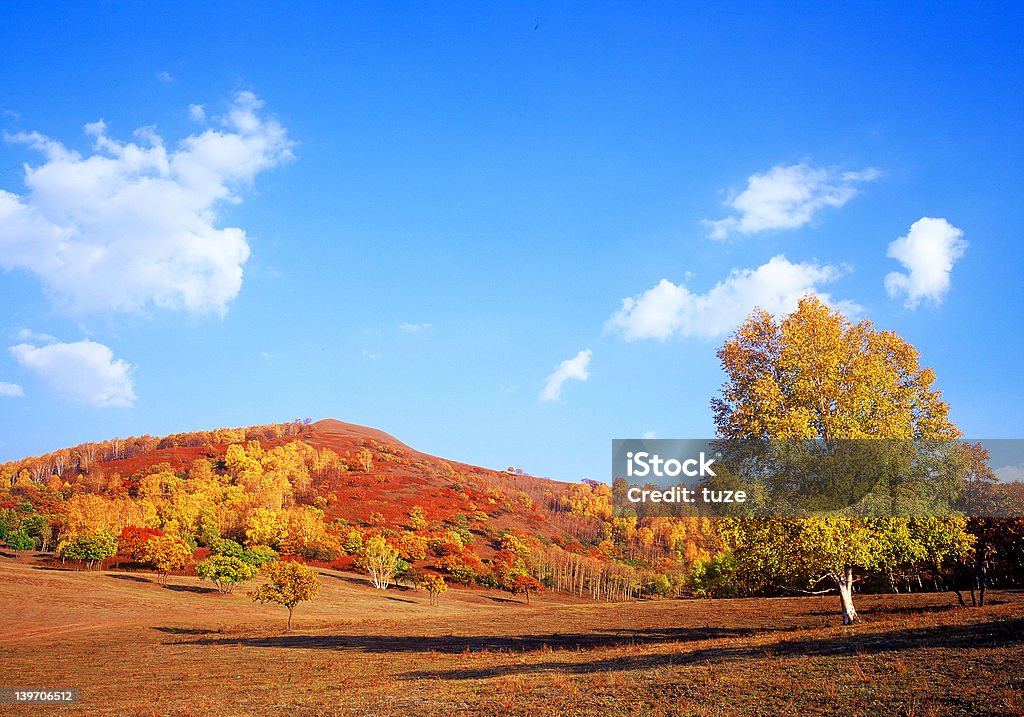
[[135, 648]]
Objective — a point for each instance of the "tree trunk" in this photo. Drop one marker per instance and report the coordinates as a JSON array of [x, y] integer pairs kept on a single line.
[[290, 618], [845, 580]]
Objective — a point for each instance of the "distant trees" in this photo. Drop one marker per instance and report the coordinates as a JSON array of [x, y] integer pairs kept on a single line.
[[288, 584], [225, 572]]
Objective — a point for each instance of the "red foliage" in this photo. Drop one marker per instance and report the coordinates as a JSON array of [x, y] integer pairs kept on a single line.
[[133, 538]]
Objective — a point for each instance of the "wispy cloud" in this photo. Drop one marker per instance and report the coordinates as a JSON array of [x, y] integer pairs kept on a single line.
[[576, 368], [787, 197], [668, 309], [135, 224], [928, 251], [413, 328], [83, 371], [12, 390]]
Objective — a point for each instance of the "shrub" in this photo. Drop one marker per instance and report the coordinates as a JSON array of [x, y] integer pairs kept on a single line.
[[20, 540], [225, 571]]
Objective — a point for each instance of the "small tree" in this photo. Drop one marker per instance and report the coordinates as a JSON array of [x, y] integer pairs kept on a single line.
[[289, 583], [20, 540], [435, 585], [417, 521], [380, 560], [90, 549], [225, 571], [524, 585], [166, 553], [365, 459]]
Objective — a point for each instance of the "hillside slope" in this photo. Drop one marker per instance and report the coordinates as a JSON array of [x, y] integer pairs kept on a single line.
[[321, 491]]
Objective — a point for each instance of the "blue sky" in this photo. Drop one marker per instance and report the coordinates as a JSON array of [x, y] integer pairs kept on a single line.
[[426, 218]]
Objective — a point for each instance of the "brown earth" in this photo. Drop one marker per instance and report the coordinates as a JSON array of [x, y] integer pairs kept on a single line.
[[135, 648]]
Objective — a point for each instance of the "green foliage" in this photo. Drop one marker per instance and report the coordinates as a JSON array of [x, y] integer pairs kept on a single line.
[[225, 571], [20, 540], [353, 541], [258, 556], [228, 548], [715, 577], [89, 549]]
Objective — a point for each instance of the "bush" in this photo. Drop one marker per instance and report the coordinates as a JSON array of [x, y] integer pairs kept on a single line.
[[228, 548], [715, 577], [225, 571], [258, 556], [20, 540]]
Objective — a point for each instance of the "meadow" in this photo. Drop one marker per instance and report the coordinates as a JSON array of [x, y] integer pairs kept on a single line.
[[134, 647]]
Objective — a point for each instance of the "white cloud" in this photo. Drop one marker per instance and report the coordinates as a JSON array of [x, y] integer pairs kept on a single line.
[[649, 435], [197, 113], [668, 309], [787, 198], [135, 224], [34, 337], [1010, 474], [11, 389], [574, 368], [370, 355], [164, 76], [928, 251], [83, 371], [413, 328]]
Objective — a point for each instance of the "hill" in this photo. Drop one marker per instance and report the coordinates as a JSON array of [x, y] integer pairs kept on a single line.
[[321, 491]]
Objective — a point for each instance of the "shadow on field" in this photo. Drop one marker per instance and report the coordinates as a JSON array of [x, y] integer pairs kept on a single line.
[[183, 631], [983, 635], [454, 644], [132, 578], [190, 589]]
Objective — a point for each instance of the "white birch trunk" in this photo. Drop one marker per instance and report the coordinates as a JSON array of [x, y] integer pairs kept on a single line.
[[845, 581]]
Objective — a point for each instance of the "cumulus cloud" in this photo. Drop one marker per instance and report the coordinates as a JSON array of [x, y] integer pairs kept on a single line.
[[413, 328], [928, 251], [575, 368], [84, 371], [668, 309], [134, 224], [11, 389], [787, 197], [197, 113]]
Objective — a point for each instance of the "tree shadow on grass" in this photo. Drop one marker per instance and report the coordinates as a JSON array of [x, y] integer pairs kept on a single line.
[[454, 644], [184, 631], [133, 578], [996, 633], [190, 589], [963, 637]]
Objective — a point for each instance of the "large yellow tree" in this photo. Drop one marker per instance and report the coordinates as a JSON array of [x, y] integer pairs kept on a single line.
[[815, 375]]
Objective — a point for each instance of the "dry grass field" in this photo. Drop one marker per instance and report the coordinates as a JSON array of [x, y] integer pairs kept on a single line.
[[134, 647]]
